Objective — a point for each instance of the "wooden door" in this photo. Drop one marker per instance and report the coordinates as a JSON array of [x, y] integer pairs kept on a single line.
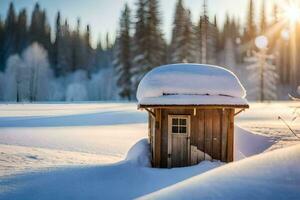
[[178, 140]]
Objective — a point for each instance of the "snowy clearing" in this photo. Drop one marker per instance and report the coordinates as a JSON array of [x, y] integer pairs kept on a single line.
[[273, 175], [51, 145]]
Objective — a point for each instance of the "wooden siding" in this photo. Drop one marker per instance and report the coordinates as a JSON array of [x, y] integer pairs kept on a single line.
[[211, 131]]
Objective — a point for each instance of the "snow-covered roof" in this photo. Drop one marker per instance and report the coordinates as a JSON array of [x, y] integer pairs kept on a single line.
[[191, 84]]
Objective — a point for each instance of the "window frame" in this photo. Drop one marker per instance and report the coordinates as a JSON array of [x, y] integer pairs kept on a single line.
[[187, 124]]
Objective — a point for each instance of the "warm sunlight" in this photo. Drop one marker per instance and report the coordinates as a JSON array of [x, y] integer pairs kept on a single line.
[[292, 12]]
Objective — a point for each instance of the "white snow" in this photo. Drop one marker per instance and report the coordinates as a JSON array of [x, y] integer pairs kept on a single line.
[[273, 175], [200, 80], [78, 151], [193, 100]]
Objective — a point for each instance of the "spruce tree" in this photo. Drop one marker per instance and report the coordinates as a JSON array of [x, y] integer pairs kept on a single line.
[[22, 32], [156, 46], [250, 31], [57, 45], [1, 45], [263, 24], [140, 64], [10, 27], [123, 56], [177, 34], [182, 44]]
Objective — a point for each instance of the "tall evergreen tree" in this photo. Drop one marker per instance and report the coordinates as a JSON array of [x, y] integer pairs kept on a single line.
[[140, 64], [123, 56], [1, 45], [156, 47], [206, 39], [22, 32], [250, 31], [10, 27], [57, 44], [182, 44], [263, 23], [39, 29]]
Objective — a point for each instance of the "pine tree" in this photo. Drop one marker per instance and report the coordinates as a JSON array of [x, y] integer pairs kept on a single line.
[[250, 31], [123, 55], [263, 75], [182, 45], [140, 63], [65, 52], [39, 29], [57, 44], [156, 47], [263, 24], [206, 37], [149, 46], [1, 45], [22, 32], [9, 45]]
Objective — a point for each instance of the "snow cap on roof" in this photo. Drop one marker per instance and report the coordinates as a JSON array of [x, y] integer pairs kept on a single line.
[[189, 79]]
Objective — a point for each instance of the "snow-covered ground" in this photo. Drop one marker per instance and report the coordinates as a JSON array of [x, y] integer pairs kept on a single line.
[[51, 145]]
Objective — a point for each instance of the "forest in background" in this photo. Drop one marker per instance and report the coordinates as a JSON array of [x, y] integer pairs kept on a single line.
[[38, 66]]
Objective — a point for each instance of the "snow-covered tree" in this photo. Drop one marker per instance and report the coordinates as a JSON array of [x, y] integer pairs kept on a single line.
[[122, 55], [263, 75], [35, 59], [12, 78]]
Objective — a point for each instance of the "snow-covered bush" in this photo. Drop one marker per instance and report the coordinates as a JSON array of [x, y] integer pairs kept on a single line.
[[27, 78], [2, 82], [35, 59], [76, 92], [57, 90], [102, 85]]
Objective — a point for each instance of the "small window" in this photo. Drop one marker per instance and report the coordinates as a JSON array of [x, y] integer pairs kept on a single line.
[[179, 125]]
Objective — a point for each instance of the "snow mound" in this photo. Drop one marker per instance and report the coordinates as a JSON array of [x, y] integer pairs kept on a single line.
[[248, 144], [272, 175], [139, 154], [189, 79]]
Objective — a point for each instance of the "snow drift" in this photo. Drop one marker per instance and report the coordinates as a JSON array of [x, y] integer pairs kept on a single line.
[[189, 79], [139, 154], [272, 175]]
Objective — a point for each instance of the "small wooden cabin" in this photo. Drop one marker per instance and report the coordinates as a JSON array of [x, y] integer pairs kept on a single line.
[[191, 119]]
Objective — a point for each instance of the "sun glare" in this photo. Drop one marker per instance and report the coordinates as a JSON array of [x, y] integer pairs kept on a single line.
[[292, 13]]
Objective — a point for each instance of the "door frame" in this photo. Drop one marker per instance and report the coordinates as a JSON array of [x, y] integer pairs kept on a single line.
[[188, 128]]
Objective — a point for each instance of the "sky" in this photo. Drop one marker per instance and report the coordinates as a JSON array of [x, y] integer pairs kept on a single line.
[[103, 15]]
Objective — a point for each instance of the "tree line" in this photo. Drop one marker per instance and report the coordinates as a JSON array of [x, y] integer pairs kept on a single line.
[[68, 51], [141, 45]]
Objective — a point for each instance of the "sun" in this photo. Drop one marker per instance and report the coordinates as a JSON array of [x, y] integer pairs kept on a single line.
[[292, 12]]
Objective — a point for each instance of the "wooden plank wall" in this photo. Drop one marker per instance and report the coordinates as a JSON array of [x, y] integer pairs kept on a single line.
[[157, 138], [211, 131], [230, 136]]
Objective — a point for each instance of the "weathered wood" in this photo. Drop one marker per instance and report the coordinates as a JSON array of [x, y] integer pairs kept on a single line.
[[157, 137], [216, 132], [200, 132], [230, 136], [208, 132], [211, 131], [224, 130]]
